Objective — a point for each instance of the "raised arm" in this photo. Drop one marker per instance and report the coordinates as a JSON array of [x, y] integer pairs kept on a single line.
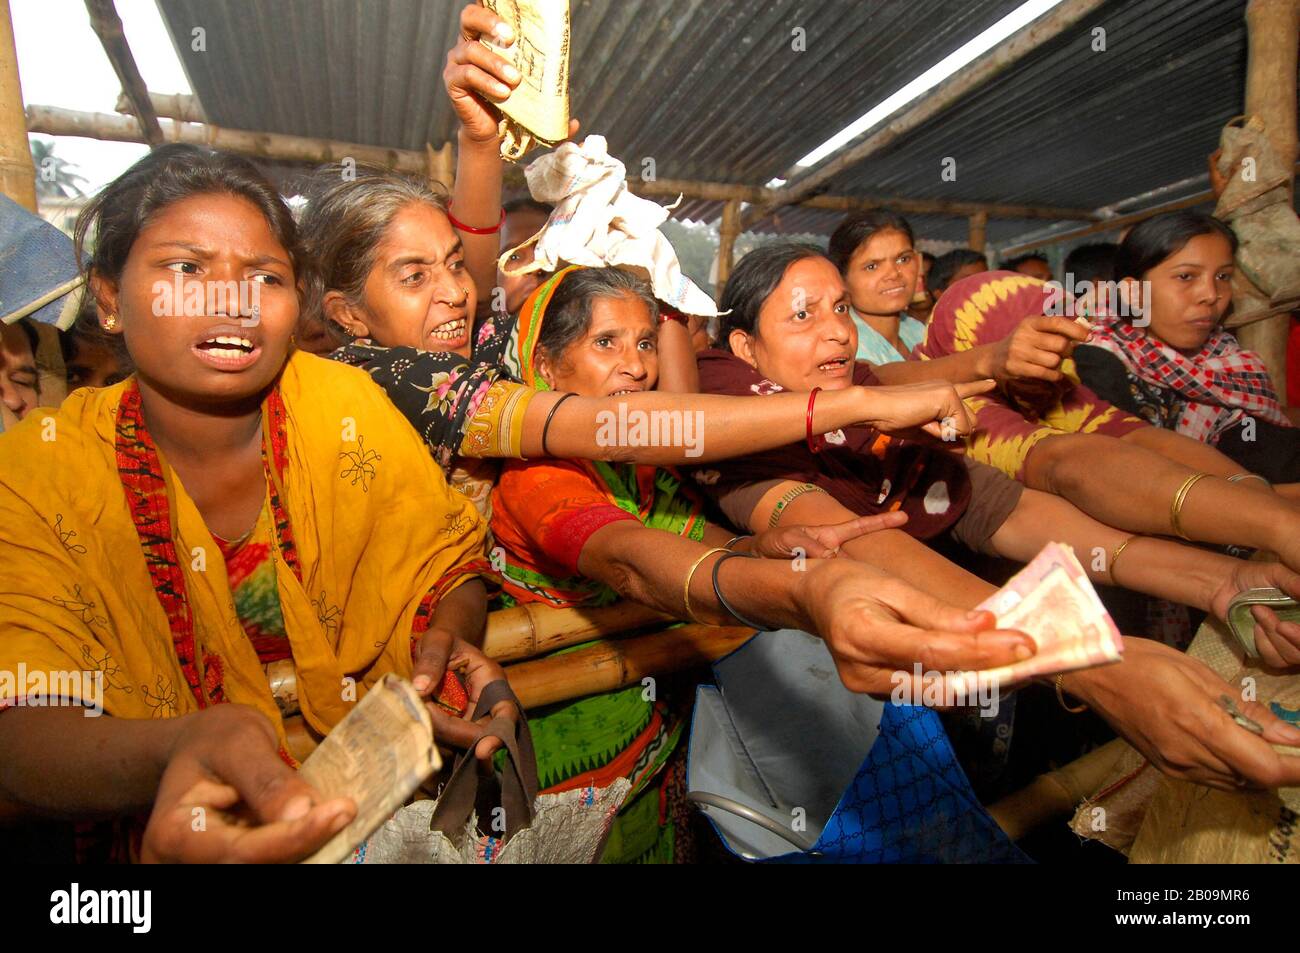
[[678, 371], [476, 79]]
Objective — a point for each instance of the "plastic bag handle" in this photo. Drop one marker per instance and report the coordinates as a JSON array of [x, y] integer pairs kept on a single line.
[[732, 806]]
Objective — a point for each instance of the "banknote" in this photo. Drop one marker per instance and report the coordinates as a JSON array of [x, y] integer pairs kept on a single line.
[[378, 755], [1053, 602], [537, 112]]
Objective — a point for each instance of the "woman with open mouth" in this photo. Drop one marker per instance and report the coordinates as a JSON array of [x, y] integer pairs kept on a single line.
[[788, 328], [584, 533], [232, 504], [400, 269]]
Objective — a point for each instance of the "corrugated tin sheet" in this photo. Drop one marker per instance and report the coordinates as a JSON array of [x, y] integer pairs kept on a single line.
[[711, 89], [714, 90], [1075, 127]]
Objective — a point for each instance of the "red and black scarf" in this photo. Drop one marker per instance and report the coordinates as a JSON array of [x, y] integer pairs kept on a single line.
[[1219, 385]]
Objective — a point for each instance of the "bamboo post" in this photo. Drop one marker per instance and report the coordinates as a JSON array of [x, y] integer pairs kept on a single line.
[[108, 27], [979, 223], [440, 165], [1273, 32], [728, 232], [17, 173]]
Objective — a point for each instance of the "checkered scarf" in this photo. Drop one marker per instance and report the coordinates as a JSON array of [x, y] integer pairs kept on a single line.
[[1221, 384]]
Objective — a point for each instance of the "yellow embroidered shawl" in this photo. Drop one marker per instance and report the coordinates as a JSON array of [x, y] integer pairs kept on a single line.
[[373, 520]]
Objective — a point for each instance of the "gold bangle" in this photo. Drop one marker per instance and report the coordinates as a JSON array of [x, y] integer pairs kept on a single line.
[[789, 497], [690, 574], [1060, 697], [1114, 557], [1179, 498]]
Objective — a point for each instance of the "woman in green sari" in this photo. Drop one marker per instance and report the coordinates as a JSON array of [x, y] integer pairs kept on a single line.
[[566, 527]]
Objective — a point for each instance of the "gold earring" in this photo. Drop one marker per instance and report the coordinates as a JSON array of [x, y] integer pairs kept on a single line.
[[110, 322]]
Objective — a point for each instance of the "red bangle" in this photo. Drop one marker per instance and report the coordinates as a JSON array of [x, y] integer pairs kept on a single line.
[[461, 226], [812, 399], [667, 314]]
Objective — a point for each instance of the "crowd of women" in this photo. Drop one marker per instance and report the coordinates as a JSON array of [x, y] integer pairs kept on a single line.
[[319, 484]]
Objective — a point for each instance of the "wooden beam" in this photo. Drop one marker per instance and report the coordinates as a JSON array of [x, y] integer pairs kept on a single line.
[[17, 174], [728, 232], [1273, 35], [184, 107], [979, 227], [951, 91], [108, 26], [259, 145], [1119, 221], [756, 195], [440, 165]]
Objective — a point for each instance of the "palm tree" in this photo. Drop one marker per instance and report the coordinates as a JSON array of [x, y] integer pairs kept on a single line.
[[55, 176]]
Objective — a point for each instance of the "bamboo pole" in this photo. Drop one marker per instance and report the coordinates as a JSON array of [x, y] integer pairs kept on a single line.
[[1273, 33], [440, 165], [979, 224], [108, 27], [753, 194], [17, 173], [1110, 225], [946, 94], [728, 232], [186, 109], [54, 121], [616, 663], [529, 630], [608, 665], [183, 107]]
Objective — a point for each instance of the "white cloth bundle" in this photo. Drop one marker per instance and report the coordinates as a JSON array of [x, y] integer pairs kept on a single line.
[[598, 222]]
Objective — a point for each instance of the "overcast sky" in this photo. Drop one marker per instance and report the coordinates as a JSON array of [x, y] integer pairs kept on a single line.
[[60, 63]]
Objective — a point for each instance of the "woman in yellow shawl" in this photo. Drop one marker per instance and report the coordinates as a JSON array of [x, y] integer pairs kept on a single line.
[[127, 515]]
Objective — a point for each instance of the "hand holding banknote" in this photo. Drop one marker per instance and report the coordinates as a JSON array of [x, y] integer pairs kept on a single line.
[[226, 796], [478, 79], [876, 625]]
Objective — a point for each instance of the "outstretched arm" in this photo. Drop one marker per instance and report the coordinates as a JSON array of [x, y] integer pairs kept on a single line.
[[714, 427]]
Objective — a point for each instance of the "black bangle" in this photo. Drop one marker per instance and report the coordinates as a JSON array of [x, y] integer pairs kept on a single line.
[[722, 601], [546, 427]]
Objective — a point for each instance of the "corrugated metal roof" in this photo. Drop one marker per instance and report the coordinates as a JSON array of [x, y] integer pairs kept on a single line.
[[714, 90], [1074, 127]]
